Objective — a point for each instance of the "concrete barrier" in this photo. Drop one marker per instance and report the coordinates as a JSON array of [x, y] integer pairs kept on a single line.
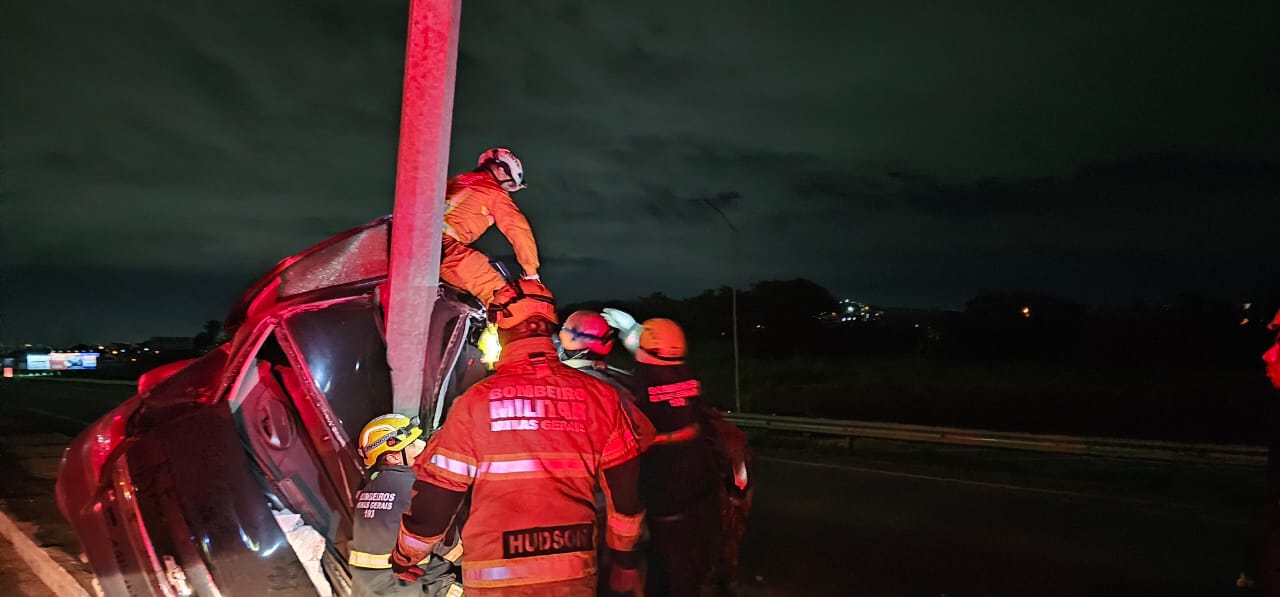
[[41, 563]]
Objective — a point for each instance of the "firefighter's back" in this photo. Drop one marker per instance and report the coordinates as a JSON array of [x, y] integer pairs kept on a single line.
[[540, 435]]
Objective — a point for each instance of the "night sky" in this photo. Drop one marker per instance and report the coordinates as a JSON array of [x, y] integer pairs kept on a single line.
[[156, 157]]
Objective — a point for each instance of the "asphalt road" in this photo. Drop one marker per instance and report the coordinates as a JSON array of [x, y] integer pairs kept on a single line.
[[898, 519], [823, 529]]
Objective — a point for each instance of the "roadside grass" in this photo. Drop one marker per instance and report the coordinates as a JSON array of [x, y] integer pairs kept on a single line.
[[1212, 403]]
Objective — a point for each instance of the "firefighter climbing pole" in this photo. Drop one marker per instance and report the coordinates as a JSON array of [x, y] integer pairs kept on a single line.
[[431, 57]]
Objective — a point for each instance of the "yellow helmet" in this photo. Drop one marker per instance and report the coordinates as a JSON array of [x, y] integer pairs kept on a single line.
[[388, 433], [661, 342]]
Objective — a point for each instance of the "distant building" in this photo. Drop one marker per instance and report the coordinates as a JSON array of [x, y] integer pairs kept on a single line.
[[851, 311]]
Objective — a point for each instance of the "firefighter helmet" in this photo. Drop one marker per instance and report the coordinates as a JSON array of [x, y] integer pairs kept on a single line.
[[508, 163], [661, 342], [587, 330], [388, 433], [514, 304]]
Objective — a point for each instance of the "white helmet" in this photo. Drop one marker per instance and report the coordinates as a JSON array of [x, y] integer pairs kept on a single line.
[[506, 162]]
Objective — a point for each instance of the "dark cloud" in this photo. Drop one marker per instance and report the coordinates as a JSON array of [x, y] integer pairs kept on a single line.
[[1143, 183], [909, 153], [69, 303]]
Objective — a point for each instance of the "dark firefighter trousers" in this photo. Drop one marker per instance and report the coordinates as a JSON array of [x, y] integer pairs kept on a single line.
[[682, 549]]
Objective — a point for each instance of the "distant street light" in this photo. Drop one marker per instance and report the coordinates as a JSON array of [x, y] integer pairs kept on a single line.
[[733, 287]]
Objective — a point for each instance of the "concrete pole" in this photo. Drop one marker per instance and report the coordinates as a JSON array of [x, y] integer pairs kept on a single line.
[[426, 115]]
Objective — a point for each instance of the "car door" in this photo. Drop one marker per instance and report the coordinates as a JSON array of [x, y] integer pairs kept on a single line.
[[271, 410], [316, 375], [338, 379], [193, 515]]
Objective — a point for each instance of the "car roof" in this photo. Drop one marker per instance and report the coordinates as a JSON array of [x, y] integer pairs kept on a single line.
[[352, 259]]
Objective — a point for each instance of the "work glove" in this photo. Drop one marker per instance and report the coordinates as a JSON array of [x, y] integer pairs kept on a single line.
[[628, 328], [623, 580], [405, 566], [618, 319]]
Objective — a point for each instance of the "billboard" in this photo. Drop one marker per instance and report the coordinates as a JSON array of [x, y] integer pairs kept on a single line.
[[62, 361]]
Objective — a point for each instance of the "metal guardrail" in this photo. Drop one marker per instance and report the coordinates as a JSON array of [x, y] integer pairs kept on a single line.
[[1107, 447], [1058, 444]]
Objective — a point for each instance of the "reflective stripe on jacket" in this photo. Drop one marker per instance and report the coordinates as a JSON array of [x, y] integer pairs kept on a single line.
[[532, 443], [474, 201], [682, 434]]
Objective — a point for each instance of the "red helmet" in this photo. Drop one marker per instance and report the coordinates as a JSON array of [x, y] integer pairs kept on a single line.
[[587, 330]]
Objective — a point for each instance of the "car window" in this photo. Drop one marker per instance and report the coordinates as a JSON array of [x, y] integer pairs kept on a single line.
[[346, 359]]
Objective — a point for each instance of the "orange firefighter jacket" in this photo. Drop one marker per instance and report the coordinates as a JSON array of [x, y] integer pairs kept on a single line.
[[532, 442], [473, 202]]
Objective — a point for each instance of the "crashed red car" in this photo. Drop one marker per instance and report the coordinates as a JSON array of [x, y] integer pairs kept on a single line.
[[175, 492]]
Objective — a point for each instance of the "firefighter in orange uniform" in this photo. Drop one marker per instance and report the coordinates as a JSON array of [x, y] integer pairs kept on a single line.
[[473, 202], [533, 443]]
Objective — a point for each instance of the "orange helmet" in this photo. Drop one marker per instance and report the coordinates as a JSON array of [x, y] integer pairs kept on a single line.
[[587, 330], [661, 342], [521, 300]]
